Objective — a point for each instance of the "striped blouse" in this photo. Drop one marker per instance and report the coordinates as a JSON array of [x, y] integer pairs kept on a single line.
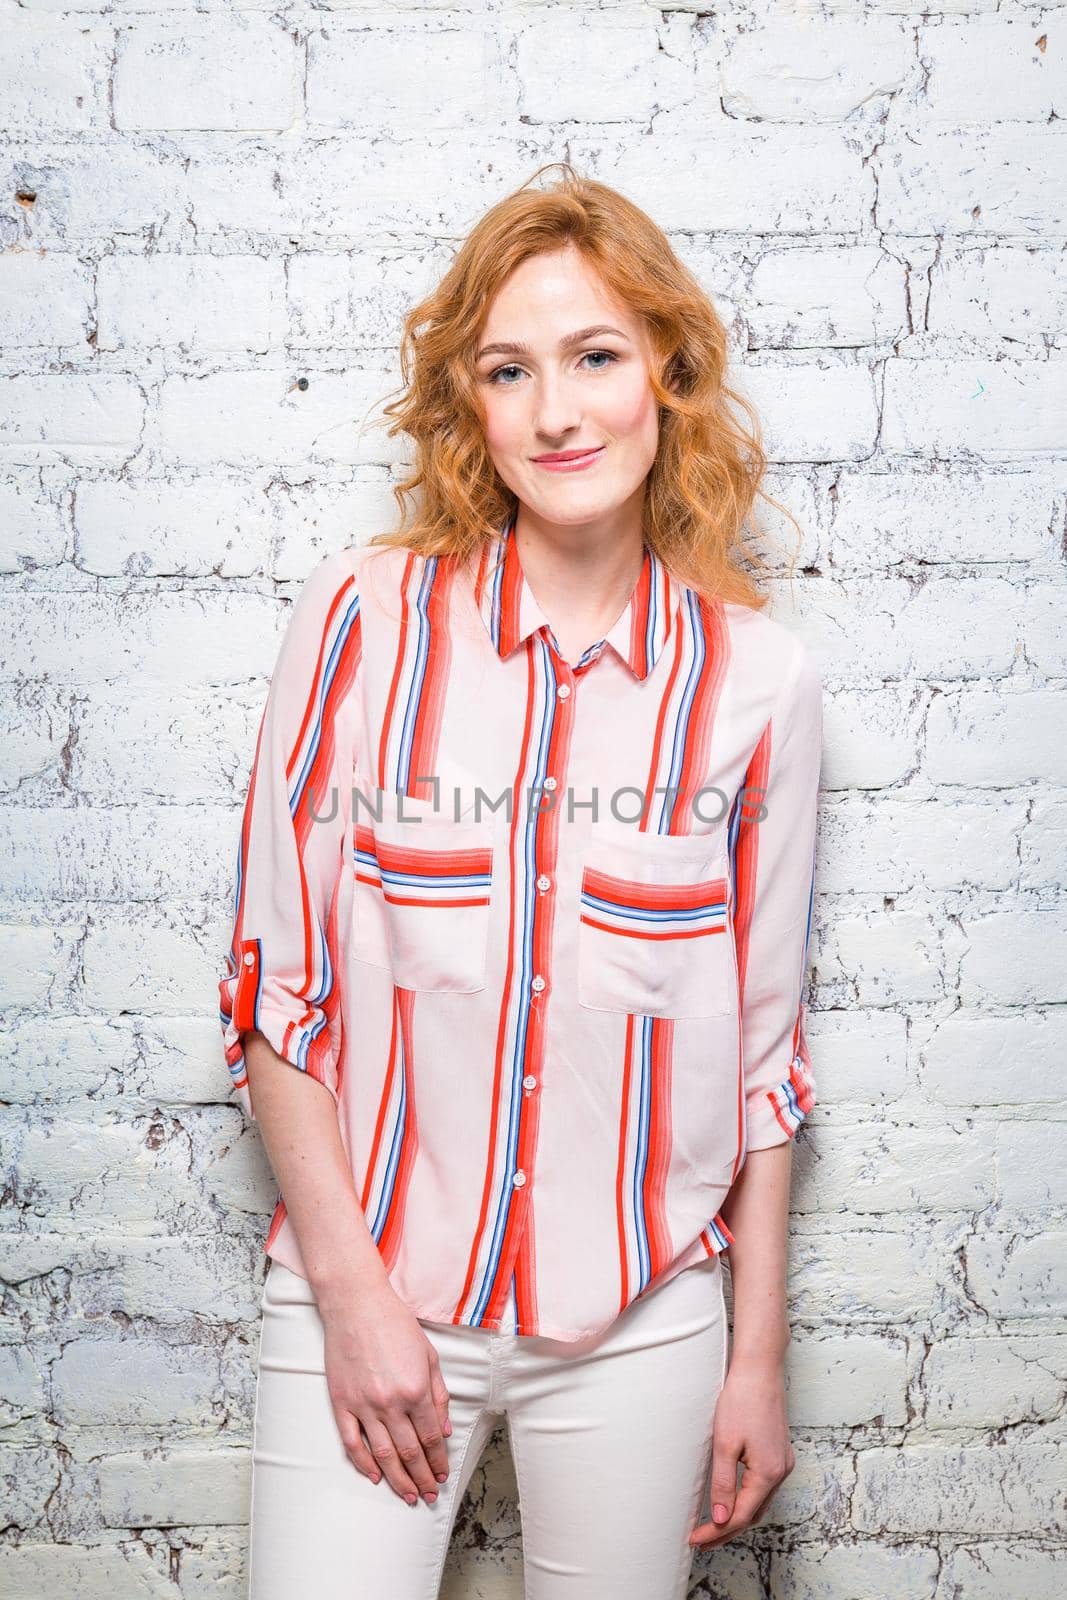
[[539, 927]]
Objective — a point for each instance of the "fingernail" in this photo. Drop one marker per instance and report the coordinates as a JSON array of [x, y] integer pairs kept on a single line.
[[442, 1477], [411, 1499], [447, 1429], [430, 1496], [720, 1513]]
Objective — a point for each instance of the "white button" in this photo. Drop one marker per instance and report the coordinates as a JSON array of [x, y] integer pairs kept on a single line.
[[537, 983], [250, 959], [550, 783], [544, 883], [564, 690], [518, 1179], [529, 1082]]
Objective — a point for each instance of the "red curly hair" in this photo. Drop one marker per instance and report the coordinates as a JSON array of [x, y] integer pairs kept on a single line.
[[708, 466]]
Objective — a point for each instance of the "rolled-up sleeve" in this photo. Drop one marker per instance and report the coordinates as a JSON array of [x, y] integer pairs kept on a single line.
[[280, 971], [774, 889]]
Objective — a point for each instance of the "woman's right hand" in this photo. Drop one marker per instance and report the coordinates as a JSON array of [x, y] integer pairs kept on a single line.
[[388, 1395]]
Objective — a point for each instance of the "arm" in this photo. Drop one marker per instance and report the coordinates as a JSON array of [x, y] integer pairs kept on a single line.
[[775, 856], [775, 862], [280, 1011], [302, 1137], [278, 1000], [280, 977]]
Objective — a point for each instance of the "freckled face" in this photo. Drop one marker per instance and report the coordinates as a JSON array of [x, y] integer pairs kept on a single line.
[[588, 398]]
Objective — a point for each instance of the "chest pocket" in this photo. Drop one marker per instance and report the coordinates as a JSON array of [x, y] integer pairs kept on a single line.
[[655, 937], [422, 894]]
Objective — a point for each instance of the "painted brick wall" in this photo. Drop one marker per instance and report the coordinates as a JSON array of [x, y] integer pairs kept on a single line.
[[202, 205]]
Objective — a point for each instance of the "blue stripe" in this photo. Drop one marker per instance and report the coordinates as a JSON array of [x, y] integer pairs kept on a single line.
[[641, 1154], [418, 675], [681, 722], [385, 1199], [439, 880], [618, 909], [653, 612], [329, 673]]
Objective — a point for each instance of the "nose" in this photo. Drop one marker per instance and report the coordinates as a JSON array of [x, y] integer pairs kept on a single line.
[[557, 414]]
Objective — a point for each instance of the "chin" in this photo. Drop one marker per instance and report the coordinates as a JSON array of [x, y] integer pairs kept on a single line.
[[575, 501], [575, 512]]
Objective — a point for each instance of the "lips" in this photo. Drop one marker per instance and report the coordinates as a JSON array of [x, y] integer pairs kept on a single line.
[[561, 457], [566, 463]]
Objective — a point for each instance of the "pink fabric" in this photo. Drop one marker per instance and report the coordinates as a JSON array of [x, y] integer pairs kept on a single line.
[[552, 1036]]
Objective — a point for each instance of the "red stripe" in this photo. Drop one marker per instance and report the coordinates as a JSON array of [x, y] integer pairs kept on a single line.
[[433, 863], [654, 1189], [546, 844], [636, 896], [247, 989], [429, 711], [419, 900], [620, 1169], [398, 667], [492, 1176], [638, 933], [389, 1238], [639, 610], [703, 710]]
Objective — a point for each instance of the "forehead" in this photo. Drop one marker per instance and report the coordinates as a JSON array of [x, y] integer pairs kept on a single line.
[[554, 293]]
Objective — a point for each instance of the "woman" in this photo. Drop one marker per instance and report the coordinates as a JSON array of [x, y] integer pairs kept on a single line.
[[524, 888]]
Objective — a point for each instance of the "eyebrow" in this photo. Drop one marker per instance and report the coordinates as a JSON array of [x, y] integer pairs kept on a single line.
[[568, 342]]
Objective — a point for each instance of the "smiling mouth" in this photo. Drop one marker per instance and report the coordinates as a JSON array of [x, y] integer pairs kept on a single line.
[[569, 459]]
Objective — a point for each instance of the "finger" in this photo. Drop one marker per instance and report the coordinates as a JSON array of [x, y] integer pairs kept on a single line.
[[757, 1515], [409, 1448], [724, 1480], [440, 1397], [757, 1491], [356, 1445], [383, 1449], [426, 1420], [752, 1496]]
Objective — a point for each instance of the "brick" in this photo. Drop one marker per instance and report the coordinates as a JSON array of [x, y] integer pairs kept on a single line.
[[54, 75], [200, 302], [994, 74], [800, 71], [977, 1060], [993, 1381], [1004, 1488], [169, 76], [180, 1488], [413, 70]]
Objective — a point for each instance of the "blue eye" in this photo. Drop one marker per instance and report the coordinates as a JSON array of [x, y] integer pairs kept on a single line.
[[609, 356]]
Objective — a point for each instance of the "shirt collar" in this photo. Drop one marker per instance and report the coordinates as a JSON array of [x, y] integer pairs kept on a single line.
[[511, 613]]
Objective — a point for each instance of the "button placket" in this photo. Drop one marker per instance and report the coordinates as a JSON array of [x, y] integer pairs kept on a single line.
[[539, 983]]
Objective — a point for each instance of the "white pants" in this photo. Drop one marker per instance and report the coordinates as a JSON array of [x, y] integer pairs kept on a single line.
[[611, 1440]]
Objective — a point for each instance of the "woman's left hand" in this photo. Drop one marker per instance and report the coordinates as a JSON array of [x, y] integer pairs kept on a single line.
[[751, 1427]]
